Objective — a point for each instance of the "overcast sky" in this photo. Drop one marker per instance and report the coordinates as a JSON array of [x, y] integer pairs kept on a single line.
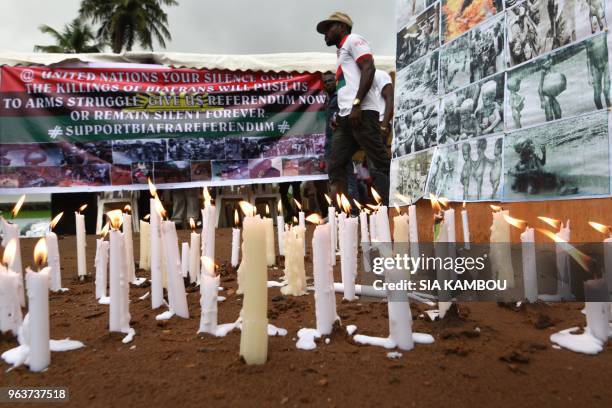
[[219, 26]]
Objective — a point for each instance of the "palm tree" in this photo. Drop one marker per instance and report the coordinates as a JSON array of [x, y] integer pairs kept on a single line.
[[76, 37], [125, 22]]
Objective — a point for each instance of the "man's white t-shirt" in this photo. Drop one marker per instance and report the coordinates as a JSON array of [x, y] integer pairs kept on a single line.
[[353, 48], [381, 79]]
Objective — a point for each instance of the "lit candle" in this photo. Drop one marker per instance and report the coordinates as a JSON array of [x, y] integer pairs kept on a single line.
[[145, 244], [81, 242], [55, 283], [400, 317], [270, 244], [209, 288], [119, 312], [466, 227], [280, 229], [177, 297], [414, 231], [500, 254], [129, 243], [209, 224], [37, 284], [597, 309], [331, 217], [254, 336], [325, 299], [302, 222], [194, 253], [10, 307], [564, 284], [295, 273], [10, 231], [185, 259], [236, 240], [157, 285], [348, 250], [530, 278], [401, 231], [607, 251], [440, 234], [101, 263]]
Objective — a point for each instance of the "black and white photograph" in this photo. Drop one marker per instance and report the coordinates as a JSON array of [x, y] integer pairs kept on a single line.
[[470, 170], [265, 168], [416, 130], [408, 176], [417, 84], [407, 10], [568, 82], [31, 154], [230, 170], [172, 172], [459, 16], [476, 55], [87, 152], [88, 175], [561, 159], [536, 27], [473, 111], [141, 172], [201, 170], [139, 150], [295, 146], [418, 38]]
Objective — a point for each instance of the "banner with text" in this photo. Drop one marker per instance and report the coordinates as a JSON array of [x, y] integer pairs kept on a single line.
[[97, 129]]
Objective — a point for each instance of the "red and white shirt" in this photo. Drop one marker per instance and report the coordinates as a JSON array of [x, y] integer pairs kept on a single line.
[[352, 49]]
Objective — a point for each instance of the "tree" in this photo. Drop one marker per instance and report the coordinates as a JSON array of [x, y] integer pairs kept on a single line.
[[76, 37], [126, 22]]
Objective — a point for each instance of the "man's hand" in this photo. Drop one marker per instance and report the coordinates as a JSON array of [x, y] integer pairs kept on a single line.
[[355, 117]]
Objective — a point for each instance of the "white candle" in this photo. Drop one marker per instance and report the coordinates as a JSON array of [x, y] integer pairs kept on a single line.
[[295, 273], [254, 336], [55, 274], [302, 224], [101, 263], [38, 310], [348, 256], [530, 278], [597, 309], [607, 244], [129, 247], [235, 246], [119, 314], [81, 245], [400, 317], [209, 288], [449, 221], [209, 223], [177, 297], [500, 252], [157, 291], [10, 308], [185, 259], [414, 231], [564, 283], [11, 232], [401, 231], [331, 216], [325, 299], [194, 257], [145, 245], [383, 231], [270, 244], [280, 230], [466, 228], [363, 228], [440, 233]]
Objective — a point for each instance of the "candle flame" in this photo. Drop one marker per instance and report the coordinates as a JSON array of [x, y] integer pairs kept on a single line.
[[247, 209], [279, 207], [82, 208], [551, 221], [152, 188], [376, 196], [295, 220], [373, 207], [515, 222], [236, 218], [267, 210], [55, 220], [297, 203], [582, 259], [9, 252], [443, 201], [367, 211], [495, 208], [104, 231], [40, 252], [207, 197], [346, 205], [402, 197], [315, 219], [359, 206], [329, 200], [159, 207], [338, 201], [464, 204], [604, 229], [397, 209], [192, 224], [18, 205], [146, 217], [127, 209], [435, 205], [116, 218]]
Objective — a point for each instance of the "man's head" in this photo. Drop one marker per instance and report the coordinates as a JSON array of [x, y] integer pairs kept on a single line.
[[329, 83], [335, 27]]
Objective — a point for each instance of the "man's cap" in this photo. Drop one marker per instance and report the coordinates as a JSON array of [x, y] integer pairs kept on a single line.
[[337, 17]]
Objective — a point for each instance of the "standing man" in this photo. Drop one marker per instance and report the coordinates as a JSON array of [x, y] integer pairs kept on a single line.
[[358, 118]]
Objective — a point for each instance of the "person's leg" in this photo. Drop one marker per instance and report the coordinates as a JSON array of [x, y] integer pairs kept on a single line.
[[321, 187], [351, 180], [192, 205], [368, 137], [283, 189], [296, 190], [179, 201], [342, 149]]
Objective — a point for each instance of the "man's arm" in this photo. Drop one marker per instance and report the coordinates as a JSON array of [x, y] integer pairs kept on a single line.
[[387, 94], [367, 68]]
